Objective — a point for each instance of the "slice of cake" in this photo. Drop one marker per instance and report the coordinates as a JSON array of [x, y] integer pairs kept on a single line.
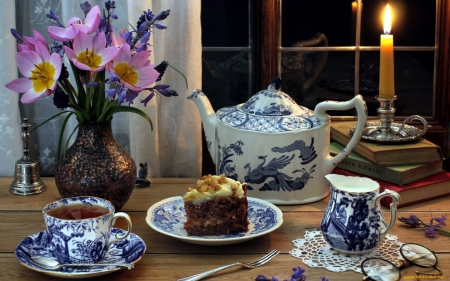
[[218, 205]]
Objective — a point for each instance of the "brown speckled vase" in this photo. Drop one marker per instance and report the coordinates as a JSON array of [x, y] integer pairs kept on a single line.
[[95, 165]]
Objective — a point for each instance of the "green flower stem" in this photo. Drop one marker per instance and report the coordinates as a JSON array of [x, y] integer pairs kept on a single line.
[[105, 110], [99, 100], [63, 127], [91, 90], [71, 88], [66, 89], [81, 92], [68, 139], [54, 116], [181, 73]]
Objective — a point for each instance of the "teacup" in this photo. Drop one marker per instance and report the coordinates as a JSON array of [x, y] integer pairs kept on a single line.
[[79, 228], [353, 222]]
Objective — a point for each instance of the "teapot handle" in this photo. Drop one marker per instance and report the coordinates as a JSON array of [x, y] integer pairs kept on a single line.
[[361, 109], [393, 209]]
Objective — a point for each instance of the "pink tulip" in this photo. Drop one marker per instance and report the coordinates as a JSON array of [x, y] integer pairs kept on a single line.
[[76, 25], [90, 54], [118, 41], [134, 72], [29, 43], [41, 71]]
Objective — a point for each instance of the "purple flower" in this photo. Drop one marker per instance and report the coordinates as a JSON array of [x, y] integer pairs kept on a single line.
[[86, 7], [168, 93], [412, 220], [52, 16], [440, 221], [431, 231], [143, 27], [110, 5], [60, 99], [160, 26], [322, 278], [16, 35], [57, 47], [298, 274], [64, 73], [112, 92], [144, 39], [141, 48], [161, 68], [101, 25], [121, 96], [162, 86], [114, 16], [262, 278], [145, 17], [162, 15], [92, 84], [148, 98], [130, 97], [128, 37]]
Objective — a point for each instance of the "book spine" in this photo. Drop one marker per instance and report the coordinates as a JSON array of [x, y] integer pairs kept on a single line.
[[386, 201], [368, 169]]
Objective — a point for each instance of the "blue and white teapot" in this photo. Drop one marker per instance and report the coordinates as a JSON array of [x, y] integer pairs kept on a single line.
[[280, 149]]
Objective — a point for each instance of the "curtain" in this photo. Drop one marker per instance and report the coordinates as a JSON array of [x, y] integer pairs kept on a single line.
[[172, 149]]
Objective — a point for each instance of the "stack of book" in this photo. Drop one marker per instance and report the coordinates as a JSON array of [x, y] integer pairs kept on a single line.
[[413, 169]]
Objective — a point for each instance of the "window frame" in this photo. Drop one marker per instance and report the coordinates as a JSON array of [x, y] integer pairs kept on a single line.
[[268, 54]]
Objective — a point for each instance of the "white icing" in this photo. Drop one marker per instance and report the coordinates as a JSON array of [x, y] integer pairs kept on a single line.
[[226, 189]]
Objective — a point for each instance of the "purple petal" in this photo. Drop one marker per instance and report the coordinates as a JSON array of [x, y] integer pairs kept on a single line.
[[148, 98]]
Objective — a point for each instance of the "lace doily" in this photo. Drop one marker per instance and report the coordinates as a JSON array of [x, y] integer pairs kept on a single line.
[[316, 252]]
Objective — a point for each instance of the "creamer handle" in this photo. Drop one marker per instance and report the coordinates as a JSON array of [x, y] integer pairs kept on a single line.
[[393, 209]]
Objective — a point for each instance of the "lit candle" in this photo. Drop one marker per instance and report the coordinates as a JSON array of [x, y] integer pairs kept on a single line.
[[386, 86]]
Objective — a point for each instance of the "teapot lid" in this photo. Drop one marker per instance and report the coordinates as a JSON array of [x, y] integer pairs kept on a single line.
[[273, 102], [269, 110]]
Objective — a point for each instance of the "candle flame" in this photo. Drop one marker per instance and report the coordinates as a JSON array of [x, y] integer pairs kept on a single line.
[[387, 20]]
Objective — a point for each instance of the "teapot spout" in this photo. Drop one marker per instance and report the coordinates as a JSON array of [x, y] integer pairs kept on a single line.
[[208, 119]]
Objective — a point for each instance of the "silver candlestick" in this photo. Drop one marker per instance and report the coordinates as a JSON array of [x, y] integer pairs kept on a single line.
[[385, 130], [26, 174]]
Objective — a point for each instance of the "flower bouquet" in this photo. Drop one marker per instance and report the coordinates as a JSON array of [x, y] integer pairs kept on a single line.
[[109, 70]]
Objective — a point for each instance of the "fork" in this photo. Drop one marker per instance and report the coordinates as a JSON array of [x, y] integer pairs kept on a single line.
[[250, 265]]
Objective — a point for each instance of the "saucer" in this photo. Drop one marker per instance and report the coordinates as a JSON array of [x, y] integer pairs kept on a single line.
[[168, 217], [129, 250]]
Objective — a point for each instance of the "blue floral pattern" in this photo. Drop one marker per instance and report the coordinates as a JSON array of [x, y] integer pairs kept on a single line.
[[236, 118], [129, 250], [168, 217], [78, 241], [352, 221]]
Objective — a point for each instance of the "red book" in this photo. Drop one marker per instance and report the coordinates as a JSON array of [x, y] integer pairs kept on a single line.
[[426, 189]]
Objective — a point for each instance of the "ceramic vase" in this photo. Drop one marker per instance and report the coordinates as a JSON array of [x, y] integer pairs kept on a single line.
[[95, 165]]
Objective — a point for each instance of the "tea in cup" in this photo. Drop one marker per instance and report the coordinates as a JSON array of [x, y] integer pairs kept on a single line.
[[353, 222], [80, 227]]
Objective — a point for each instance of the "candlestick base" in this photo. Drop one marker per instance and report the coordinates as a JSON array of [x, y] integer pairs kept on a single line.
[[385, 130]]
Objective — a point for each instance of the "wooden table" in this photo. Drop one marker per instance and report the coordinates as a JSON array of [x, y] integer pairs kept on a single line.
[[169, 259]]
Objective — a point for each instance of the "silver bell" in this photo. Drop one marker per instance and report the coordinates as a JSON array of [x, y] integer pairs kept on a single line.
[[26, 174]]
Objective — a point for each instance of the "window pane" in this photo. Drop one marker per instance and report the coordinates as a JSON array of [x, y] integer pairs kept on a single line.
[[413, 82], [335, 81], [304, 19], [226, 78], [413, 23], [224, 23]]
